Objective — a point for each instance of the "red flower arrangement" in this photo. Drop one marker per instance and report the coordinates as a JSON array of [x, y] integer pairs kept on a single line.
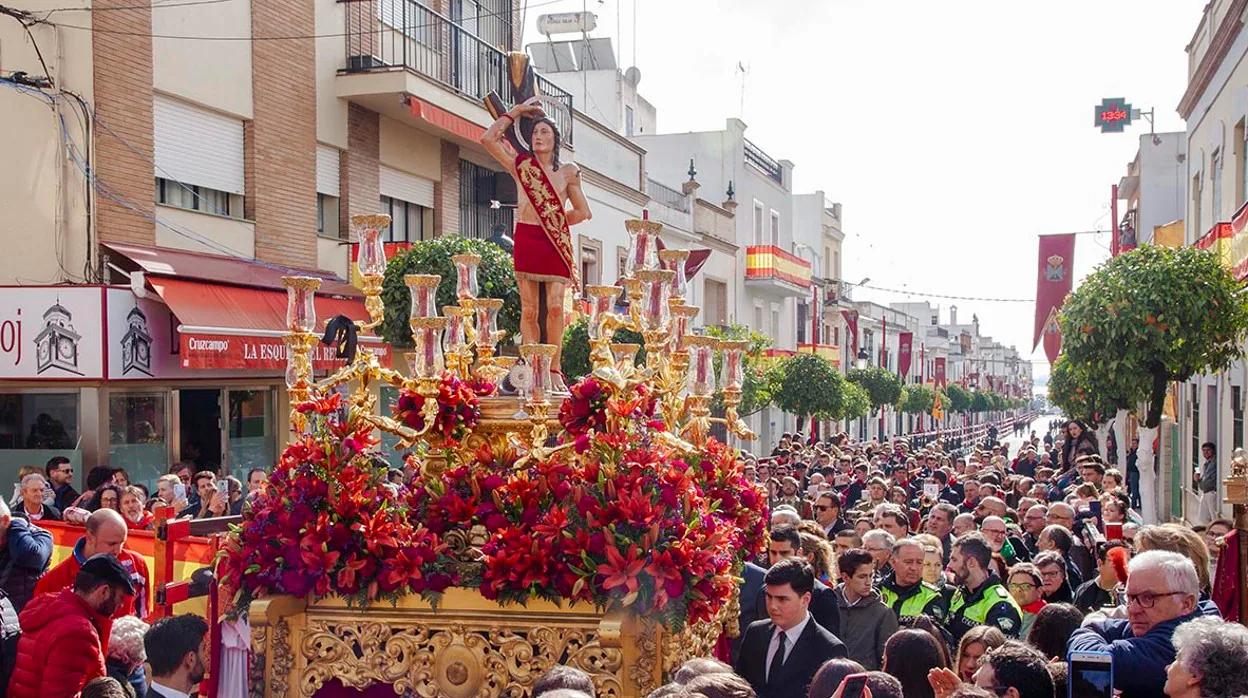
[[458, 410], [589, 404], [327, 525]]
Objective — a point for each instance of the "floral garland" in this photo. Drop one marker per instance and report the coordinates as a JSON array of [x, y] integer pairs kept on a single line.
[[459, 410]]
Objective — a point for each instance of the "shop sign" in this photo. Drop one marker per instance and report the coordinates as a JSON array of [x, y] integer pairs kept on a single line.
[[141, 338], [250, 352], [1113, 115], [52, 332]]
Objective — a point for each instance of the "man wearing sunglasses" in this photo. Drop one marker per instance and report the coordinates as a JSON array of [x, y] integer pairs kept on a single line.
[[60, 475], [827, 510], [1163, 592]]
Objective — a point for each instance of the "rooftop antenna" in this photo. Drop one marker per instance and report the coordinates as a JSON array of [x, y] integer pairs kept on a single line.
[[744, 70]]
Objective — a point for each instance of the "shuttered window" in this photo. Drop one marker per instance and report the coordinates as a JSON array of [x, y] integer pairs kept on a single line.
[[197, 147], [406, 187], [327, 181]]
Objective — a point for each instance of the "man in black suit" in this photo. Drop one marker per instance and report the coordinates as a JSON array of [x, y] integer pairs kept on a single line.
[[780, 655], [785, 543], [177, 649]]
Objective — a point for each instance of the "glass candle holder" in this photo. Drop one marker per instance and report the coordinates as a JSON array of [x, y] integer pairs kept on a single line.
[[539, 358], [301, 302], [487, 320], [656, 286], [643, 245], [682, 319], [701, 364], [601, 303], [424, 291], [428, 360], [368, 228], [625, 354], [456, 335], [466, 275], [674, 260], [732, 377]]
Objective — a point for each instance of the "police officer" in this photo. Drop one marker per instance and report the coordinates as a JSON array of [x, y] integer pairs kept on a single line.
[[981, 598], [905, 591]]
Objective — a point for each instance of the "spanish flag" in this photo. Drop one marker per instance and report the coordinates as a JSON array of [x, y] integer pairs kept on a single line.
[[189, 555]]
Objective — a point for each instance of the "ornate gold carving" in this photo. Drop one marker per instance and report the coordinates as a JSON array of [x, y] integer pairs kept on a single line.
[[255, 669], [283, 660], [456, 660], [643, 670]]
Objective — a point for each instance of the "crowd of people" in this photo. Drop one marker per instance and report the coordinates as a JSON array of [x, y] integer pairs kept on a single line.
[[931, 573], [80, 627]]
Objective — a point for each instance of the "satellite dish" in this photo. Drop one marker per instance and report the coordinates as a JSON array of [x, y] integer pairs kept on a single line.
[[633, 76]]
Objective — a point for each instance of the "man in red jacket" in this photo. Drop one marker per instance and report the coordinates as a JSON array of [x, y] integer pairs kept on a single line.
[[105, 534], [61, 647]]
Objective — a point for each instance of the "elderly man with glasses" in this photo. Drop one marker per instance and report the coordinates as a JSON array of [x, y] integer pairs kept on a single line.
[[1163, 592]]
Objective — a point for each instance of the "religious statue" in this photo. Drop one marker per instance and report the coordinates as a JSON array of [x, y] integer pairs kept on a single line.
[[526, 142]]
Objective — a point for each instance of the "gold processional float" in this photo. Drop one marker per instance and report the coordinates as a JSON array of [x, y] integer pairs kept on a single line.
[[328, 562]]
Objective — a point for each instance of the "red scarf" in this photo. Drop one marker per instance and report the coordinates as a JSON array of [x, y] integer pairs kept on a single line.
[[1035, 607]]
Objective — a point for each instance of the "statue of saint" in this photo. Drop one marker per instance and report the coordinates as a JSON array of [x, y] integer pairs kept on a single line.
[[526, 142]]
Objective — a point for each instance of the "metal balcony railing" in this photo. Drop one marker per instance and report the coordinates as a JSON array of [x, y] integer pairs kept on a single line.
[[667, 196], [755, 156], [387, 34]]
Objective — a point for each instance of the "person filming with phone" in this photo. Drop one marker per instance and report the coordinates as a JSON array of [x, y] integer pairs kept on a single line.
[[1162, 593], [213, 499]]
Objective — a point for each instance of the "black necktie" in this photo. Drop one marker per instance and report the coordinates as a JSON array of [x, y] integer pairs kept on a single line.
[[777, 661]]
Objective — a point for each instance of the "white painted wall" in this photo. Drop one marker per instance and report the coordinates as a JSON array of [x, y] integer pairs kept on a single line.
[[213, 74], [233, 234], [1162, 185], [331, 112]]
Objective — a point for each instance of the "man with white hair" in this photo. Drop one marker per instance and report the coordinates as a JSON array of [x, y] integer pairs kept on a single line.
[[32, 506], [784, 514], [1163, 592]]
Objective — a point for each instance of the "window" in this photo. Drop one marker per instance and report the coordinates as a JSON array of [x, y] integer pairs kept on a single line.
[[591, 253], [716, 312], [1197, 229], [759, 213], [36, 426], [775, 228], [802, 312], [628, 121], [775, 322], [1216, 183], [1237, 417], [758, 319], [136, 434], [327, 216], [194, 198], [407, 220], [412, 19], [836, 335], [480, 190]]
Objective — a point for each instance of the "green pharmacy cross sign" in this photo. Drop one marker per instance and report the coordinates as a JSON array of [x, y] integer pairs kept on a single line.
[[1113, 115]]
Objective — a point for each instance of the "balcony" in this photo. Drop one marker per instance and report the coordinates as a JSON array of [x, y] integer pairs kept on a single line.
[[665, 195], [401, 48], [831, 352], [772, 271], [755, 156]]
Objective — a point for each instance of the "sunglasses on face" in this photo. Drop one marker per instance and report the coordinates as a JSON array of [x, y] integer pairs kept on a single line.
[[822, 507]]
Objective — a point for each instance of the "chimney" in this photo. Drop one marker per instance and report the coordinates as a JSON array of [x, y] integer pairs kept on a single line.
[[953, 315]]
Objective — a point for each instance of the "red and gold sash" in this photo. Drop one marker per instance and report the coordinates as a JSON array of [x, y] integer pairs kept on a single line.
[[549, 207]]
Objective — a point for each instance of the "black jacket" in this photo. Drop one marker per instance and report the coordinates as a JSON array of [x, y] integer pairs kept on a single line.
[[823, 605], [50, 513], [812, 649]]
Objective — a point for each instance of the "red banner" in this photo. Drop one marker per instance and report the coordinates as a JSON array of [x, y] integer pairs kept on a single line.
[[938, 371], [220, 351], [1054, 275], [1052, 337], [851, 319], [905, 341]]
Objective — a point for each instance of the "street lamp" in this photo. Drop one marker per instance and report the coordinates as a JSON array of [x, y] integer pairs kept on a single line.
[[863, 358]]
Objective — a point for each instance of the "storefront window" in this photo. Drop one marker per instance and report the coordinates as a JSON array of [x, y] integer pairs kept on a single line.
[[137, 436], [390, 442], [35, 427], [251, 433]]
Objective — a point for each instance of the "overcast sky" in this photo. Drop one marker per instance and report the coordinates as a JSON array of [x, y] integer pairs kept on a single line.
[[952, 132]]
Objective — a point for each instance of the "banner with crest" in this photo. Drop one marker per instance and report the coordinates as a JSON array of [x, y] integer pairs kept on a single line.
[[1054, 277]]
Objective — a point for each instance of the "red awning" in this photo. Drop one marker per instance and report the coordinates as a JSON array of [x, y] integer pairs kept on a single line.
[[233, 327]]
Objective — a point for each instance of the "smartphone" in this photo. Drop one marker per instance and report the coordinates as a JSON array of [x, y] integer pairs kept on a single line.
[[1090, 675], [852, 685], [1095, 507], [223, 489], [931, 491], [1113, 531], [179, 491]]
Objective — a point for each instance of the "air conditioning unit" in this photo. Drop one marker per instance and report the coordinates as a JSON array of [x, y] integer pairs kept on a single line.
[[357, 64]]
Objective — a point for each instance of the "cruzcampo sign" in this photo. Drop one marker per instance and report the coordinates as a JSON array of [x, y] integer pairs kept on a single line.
[[1113, 115]]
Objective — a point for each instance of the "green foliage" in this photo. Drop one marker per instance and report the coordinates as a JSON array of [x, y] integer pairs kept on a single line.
[[881, 385], [857, 401], [575, 356], [760, 377], [496, 278], [979, 401], [1150, 316], [917, 399], [959, 398], [1076, 392], [810, 385]]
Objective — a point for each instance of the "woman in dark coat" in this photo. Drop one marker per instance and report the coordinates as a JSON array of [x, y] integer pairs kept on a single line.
[[1079, 441]]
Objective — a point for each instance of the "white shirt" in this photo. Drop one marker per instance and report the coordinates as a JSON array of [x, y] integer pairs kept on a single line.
[[790, 640], [169, 692], [33, 516]]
